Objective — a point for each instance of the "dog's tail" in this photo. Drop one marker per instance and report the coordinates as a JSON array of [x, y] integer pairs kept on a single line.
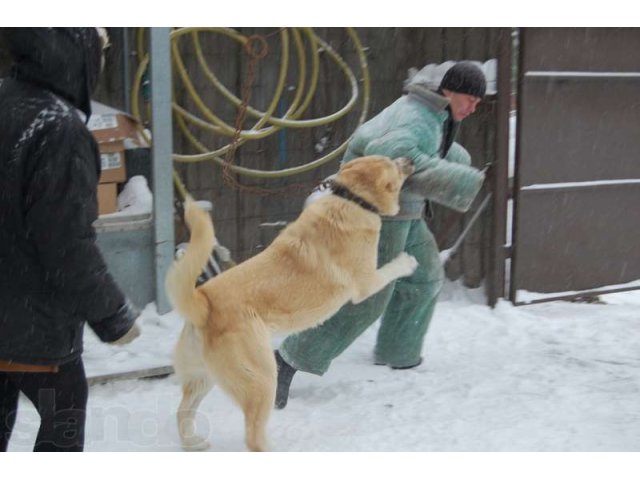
[[181, 279]]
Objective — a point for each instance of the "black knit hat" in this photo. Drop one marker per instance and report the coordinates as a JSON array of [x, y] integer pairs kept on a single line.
[[465, 77]]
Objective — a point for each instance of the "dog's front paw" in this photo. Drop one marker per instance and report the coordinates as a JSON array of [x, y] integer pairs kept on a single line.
[[195, 443], [406, 264]]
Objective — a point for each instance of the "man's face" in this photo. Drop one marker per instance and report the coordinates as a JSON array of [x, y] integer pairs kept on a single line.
[[462, 105]]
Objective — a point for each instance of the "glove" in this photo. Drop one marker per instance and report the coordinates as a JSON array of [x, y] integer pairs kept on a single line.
[[130, 336]]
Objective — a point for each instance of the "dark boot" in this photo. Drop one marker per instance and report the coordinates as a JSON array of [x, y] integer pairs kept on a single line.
[[405, 367], [285, 375]]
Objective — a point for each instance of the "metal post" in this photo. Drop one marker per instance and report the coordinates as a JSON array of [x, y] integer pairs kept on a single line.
[[126, 70], [162, 148], [496, 274]]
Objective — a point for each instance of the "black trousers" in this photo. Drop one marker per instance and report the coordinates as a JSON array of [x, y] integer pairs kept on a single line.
[[61, 401]]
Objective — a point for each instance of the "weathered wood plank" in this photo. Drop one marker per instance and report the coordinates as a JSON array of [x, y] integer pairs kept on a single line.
[[390, 53]]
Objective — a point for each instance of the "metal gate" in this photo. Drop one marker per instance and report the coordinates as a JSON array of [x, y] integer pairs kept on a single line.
[[576, 223]]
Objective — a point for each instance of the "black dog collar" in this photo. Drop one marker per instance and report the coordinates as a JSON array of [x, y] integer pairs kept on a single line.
[[344, 192]]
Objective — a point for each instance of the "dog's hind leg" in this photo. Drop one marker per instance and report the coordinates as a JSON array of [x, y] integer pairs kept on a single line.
[[193, 391], [246, 369], [196, 382], [258, 409]]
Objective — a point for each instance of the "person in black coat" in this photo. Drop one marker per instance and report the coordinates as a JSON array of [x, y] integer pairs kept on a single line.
[[53, 278]]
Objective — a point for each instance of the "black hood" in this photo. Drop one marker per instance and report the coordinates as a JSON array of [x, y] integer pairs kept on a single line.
[[66, 61]]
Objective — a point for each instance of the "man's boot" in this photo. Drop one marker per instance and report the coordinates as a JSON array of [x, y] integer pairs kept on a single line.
[[405, 367], [285, 375]]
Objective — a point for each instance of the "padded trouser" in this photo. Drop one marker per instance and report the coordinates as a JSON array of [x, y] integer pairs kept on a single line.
[[406, 307], [61, 400]]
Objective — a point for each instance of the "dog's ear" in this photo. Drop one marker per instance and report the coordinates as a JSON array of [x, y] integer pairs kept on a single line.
[[386, 182], [355, 173], [352, 164]]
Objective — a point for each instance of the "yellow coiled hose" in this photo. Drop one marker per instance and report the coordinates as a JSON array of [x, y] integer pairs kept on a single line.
[[266, 123]]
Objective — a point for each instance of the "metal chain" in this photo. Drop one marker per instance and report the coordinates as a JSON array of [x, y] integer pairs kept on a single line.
[[257, 49]]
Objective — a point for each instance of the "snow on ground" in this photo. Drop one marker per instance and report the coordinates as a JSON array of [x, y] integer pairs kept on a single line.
[[556, 376]]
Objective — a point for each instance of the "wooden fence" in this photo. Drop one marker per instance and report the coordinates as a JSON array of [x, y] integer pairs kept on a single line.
[[390, 53]]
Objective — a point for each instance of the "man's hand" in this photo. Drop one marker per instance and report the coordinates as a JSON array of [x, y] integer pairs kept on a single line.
[[114, 327], [130, 336]]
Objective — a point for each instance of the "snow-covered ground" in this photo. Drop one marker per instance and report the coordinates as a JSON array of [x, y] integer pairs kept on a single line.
[[551, 377], [557, 376]]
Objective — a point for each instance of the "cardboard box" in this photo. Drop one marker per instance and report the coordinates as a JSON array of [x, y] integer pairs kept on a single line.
[[115, 131], [113, 164], [107, 198], [108, 125]]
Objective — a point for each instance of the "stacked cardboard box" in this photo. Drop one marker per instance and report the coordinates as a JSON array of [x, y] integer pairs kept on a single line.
[[115, 131]]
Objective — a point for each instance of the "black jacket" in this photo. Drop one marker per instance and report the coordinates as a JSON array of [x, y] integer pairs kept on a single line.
[[53, 278]]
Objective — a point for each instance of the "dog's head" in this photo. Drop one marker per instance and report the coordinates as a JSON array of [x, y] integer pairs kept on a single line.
[[377, 179]]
